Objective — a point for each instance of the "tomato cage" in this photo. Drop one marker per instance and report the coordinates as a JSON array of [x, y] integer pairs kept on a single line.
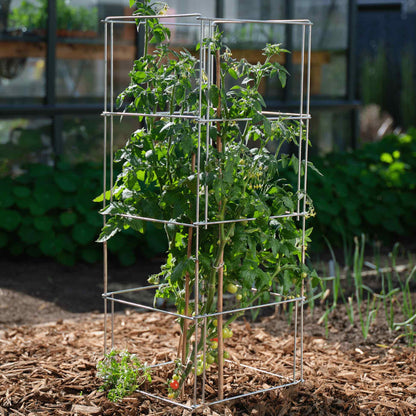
[[205, 385]]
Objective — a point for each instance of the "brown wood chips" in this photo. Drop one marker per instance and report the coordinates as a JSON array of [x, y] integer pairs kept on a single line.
[[50, 369]]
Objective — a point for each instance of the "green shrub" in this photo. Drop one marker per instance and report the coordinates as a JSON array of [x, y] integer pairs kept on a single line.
[[50, 212], [371, 190]]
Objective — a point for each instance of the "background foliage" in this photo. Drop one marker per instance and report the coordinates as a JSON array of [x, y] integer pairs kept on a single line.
[[371, 190], [50, 212]]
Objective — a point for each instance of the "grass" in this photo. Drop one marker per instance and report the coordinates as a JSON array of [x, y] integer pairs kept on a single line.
[[363, 293]]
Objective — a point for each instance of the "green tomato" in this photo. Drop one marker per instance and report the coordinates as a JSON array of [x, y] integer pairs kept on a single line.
[[199, 370], [239, 296], [227, 333], [210, 359], [176, 377], [214, 345], [232, 288], [215, 322], [226, 355]]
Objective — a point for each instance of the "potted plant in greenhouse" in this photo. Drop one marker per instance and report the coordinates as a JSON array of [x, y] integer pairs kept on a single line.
[[71, 21], [253, 241]]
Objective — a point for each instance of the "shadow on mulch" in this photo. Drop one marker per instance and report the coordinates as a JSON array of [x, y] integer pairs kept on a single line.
[[37, 290]]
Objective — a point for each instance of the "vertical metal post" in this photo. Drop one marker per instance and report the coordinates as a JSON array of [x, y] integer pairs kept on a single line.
[[300, 159], [111, 107], [295, 335], [308, 90], [301, 105], [198, 185], [105, 181]]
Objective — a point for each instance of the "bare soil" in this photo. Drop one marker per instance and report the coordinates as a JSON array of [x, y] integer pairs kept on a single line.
[[51, 337]]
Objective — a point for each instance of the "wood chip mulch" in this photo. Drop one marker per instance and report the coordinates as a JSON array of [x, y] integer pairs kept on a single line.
[[50, 369]]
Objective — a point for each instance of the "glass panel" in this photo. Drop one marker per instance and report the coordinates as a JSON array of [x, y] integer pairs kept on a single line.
[[22, 55], [205, 7], [79, 79], [328, 74], [77, 18], [330, 18], [253, 35], [329, 45], [83, 137], [23, 141], [21, 77], [331, 131], [187, 35], [80, 54]]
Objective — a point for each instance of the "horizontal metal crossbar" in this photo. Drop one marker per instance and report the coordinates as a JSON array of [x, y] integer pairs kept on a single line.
[[272, 116], [205, 223], [110, 296]]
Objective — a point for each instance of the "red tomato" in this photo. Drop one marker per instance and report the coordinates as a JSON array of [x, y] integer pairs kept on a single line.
[[174, 384]]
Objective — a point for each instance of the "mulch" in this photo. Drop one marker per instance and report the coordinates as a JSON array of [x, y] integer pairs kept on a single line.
[[50, 369]]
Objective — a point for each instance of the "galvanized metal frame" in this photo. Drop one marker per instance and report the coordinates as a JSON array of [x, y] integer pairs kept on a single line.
[[206, 28]]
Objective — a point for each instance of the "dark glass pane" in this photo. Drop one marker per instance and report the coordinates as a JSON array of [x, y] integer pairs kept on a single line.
[[331, 130]]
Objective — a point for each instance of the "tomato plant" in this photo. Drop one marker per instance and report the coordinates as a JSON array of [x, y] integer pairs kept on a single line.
[[253, 239]]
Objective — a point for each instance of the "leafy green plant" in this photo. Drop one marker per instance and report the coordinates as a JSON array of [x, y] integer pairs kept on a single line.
[[406, 302], [253, 242], [370, 190], [122, 373], [33, 15], [395, 295], [48, 211]]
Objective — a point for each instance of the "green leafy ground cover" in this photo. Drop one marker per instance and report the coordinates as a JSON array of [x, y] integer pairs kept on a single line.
[[372, 190], [50, 212]]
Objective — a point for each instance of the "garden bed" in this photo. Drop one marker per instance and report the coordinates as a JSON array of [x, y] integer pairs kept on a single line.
[[49, 368]]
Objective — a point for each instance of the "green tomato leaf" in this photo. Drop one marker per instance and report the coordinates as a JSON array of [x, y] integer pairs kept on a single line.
[[282, 78], [233, 73]]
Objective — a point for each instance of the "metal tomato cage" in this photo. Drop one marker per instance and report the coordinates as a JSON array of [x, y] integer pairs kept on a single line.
[[196, 390]]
